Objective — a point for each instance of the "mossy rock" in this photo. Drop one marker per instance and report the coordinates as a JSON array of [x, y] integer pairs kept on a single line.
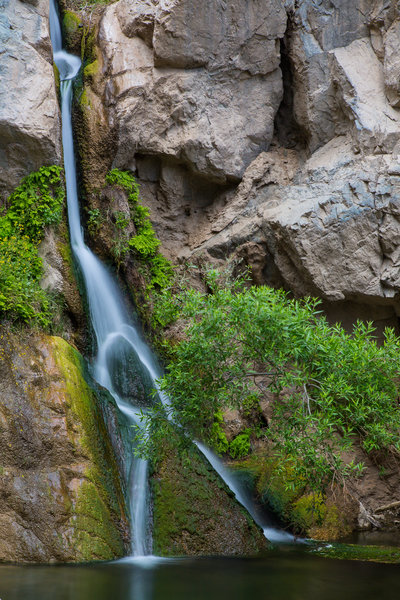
[[308, 513], [72, 27], [91, 69], [62, 497], [99, 508], [194, 512], [381, 554]]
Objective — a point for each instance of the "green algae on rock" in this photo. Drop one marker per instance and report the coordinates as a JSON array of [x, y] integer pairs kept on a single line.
[[194, 512], [61, 496], [381, 554], [327, 516]]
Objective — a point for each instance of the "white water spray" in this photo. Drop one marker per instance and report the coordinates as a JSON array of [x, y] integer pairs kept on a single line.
[[112, 324]]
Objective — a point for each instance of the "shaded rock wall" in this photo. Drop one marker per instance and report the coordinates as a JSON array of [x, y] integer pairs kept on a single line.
[[29, 116], [195, 513], [332, 229], [60, 492]]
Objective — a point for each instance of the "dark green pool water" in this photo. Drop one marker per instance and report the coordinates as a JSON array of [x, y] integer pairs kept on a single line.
[[286, 575]]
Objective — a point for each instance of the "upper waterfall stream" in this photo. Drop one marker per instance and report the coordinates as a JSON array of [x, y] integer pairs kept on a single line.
[[112, 324]]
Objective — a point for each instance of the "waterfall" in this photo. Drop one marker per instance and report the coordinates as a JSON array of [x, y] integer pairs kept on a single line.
[[113, 325], [109, 318]]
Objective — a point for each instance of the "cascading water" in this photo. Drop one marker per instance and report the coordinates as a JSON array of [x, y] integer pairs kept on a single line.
[[110, 322], [113, 326]]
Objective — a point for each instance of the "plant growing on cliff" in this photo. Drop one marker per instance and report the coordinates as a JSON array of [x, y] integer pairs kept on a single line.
[[144, 244], [330, 387], [35, 204]]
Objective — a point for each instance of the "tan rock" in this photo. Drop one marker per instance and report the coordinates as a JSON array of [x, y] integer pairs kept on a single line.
[[333, 233], [392, 64], [29, 117], [60, 494], [213, 115], [359, 77]]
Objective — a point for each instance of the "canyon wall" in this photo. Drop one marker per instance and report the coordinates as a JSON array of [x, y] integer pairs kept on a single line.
[[264, 131], [268, 133]]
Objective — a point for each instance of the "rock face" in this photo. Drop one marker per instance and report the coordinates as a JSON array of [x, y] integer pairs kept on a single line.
[[29, 118], [321, 217], [60, 492], [194, 512], [201, 91], [269, 133]]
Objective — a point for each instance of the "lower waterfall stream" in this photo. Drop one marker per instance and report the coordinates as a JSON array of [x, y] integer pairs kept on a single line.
[[112, 325]]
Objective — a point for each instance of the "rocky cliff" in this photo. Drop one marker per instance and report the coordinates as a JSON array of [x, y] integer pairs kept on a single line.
[[268, 132], [60, 488], [29, 116]]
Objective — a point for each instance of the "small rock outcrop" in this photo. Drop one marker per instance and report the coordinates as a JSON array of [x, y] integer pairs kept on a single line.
[[194, 512], [29, 115], [60, 492]]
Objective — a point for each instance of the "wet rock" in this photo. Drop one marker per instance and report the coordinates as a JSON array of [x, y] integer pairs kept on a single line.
[[29, 116], [60, 492], [194, 512]]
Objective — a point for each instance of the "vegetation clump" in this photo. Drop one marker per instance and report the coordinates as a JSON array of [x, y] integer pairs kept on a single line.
[[35, 204], [327, 389], [144, 245]]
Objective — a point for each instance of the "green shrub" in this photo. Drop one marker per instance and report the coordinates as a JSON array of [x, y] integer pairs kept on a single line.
[[37, 203], [331, 387], [218, 437], [145, 244], [240, 445], [94, 220], [34, 205]]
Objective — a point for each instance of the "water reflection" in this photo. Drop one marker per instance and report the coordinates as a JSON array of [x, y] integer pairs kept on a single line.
[[286, 575]]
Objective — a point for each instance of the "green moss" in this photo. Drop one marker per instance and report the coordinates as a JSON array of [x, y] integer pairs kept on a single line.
[[56, 78], [71, 22], [84, 100], [100, 504], [96, 535], [380, 554], [194, 512], [88, 45], [309, 513], [91, 69], [309, 510]]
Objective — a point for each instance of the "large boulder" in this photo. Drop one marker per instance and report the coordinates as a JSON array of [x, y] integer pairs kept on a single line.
[[29, 116], [202, 91], [60, 491]]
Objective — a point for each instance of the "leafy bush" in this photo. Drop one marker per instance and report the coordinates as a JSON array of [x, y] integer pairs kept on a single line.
[[35, 204], [218, 437], [144, 244], [94, 220], [331, 387], [240, 445]]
